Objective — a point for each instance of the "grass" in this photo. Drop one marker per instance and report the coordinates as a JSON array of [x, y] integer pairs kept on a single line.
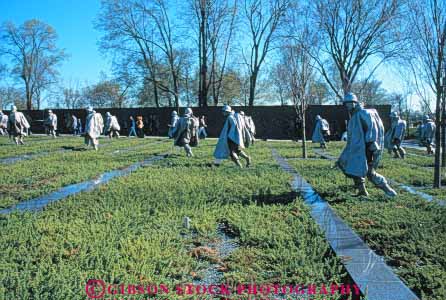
[[129, 231], [36, 145], [32, 178], [408, 231]]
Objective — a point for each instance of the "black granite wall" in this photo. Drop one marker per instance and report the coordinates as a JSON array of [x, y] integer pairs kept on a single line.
[[273, 122]]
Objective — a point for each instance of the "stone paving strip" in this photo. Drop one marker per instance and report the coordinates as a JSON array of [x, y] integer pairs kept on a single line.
[[40, 202], [375, 278]]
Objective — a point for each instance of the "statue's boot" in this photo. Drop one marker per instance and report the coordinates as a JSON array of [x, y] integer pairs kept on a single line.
[[236, 160], [387, 189], [247, 158], [362, 190], [402, 153], [188, 151]]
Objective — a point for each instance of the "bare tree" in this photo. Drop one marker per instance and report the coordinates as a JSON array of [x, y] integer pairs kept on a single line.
[[201, 10], [10, 95], [131, 35], [32, 47], [278, 78], [428, 21], [263, 21], [164, 41], [215, 23], [318, 91], [221, 31], [353, 31], [105, 93], [69, 95], [298, 63], [300, 73], [299, 40], [370, 92], [45, 77], [398, 102], [3, 69]]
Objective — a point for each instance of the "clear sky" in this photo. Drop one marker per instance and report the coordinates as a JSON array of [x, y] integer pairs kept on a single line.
[[73, 21]]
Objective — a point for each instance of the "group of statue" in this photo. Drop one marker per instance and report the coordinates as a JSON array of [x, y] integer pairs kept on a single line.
[[359, 159], [237, 134], [16, 125]]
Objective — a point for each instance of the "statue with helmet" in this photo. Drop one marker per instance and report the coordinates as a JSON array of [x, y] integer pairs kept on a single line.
[[230, 142], [249, 130], [111, 126], [395, 136], [321, 132], [427, 134], [365, 142], [94, 126], [51, 123], [173, 124], [17, 125], [186, 132], [3, 123]]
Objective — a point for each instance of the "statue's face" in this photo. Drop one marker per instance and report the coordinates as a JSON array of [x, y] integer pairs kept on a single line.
[[350, 106]]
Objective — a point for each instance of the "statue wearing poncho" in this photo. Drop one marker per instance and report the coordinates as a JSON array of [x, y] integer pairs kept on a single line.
[[249, 129], [321, 131], [230, 142], [173, 123], [428, 134], [3, 123], [395, 136], [74, 124], [112, 126], [363, 151], [93, 128], [51, 122], [252, 128], [186, 132], [17, 125]]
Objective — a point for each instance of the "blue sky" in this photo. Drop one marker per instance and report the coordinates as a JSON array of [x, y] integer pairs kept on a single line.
[[73, 21]]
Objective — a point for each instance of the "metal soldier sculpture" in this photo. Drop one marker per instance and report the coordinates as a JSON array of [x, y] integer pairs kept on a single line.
[[202, 134], [94, 126], [111, 126], [321, 132], [17, 125], [365, 142], [428, 134], [3, 123], [74, 125], [173, 123], [186, 132], [51, 123], [249, 130], [395, 136], [230, 143]]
